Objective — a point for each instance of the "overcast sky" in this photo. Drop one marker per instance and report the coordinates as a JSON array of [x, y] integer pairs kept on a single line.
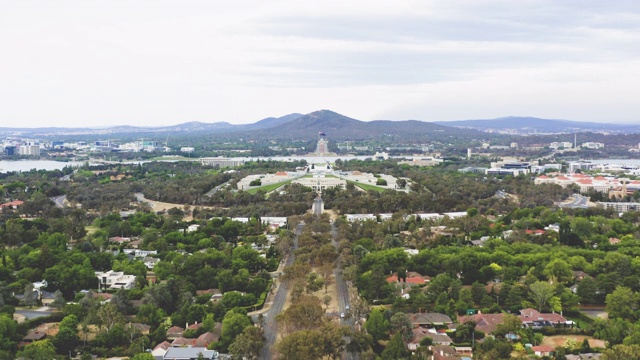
[[157, 62]]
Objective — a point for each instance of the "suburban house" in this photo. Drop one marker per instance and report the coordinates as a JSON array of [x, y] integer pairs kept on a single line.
[[531, 318], [429, 320], [115, 280], [174, 332], [412, 279], [150, 262], [33, 336], [420, 333], [542, 350], [189, 353], [487, 323], [11, 205]]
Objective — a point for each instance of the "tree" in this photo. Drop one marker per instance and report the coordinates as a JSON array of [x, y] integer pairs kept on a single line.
[[307, 342], [58, 300], [622, 352], [510, 324], [38, 350], [143, 356], [314, 282], [67, 337], [305, 313], [396, 349], [360, 343], [109, 316], [376, 325], [30, 297], [326, 300], [7, 332], [588, 291], [559, 270], [541, 292], [248, 344], [233, 325], [333, 338], [622, 303], [400, 323]]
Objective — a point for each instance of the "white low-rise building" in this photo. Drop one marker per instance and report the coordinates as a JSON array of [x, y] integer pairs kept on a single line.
[[115, 280], [319, 183]]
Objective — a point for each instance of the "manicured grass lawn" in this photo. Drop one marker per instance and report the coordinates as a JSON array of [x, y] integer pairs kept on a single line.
[[268, 188], [368, 187], [91, 229]]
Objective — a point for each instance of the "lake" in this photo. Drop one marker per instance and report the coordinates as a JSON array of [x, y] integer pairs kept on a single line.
[[26, 165]]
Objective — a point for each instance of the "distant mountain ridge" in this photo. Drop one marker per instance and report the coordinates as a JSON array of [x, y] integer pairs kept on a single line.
[[533, 125], [339, 127]]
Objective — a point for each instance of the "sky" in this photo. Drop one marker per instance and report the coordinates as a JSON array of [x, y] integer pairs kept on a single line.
[[159, 62]]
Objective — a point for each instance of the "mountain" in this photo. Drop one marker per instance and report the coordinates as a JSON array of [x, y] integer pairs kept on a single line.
[[339, 127], [292, 126], [533, 125], [272, 121]]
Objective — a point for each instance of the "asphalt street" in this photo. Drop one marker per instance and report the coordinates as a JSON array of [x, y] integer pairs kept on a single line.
[[270, 324], [577, 201]]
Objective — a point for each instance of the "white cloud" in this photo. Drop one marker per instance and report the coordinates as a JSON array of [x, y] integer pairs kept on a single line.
[[162, 62]]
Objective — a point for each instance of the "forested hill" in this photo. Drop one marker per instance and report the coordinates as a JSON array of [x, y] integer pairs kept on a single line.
[[533, 125], [339, 127], [292, 126]]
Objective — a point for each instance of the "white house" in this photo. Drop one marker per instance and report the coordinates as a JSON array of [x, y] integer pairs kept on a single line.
[[115, 280]]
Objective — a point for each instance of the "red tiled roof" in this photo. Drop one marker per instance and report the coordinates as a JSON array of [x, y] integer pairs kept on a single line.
[[163, 345], [12, 203], [412, 278], [533, 314], [175, 330]]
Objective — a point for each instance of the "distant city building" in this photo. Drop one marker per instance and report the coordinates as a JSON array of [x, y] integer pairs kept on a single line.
[[220, 162], [514, 145], [319, 182], [381, 156], [473, 170], [187, 149], [581, 165], [323, 145], [543, 168], [620, 206], [562, 144], [10, 150], [592, 145], [29, 150], [422, 161]]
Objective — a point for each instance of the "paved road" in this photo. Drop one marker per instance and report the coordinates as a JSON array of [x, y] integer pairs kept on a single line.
[[216, 189], [32, 314], [344, 299], [577, 201], [270, 324], [59, 200]]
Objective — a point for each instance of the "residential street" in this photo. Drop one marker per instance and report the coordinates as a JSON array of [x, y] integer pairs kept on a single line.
[[270, 324]]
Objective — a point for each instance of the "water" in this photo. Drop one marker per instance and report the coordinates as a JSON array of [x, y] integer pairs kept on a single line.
[[627, 162], [26, 165]]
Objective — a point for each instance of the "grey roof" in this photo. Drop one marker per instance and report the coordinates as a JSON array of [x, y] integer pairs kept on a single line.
[[189, 353], [429, 318]]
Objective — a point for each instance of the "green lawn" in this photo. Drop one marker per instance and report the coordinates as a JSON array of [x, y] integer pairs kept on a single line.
[[367, 187], [268, 188]]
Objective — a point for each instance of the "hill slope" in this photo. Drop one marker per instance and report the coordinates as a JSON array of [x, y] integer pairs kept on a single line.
[[532, 125]]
